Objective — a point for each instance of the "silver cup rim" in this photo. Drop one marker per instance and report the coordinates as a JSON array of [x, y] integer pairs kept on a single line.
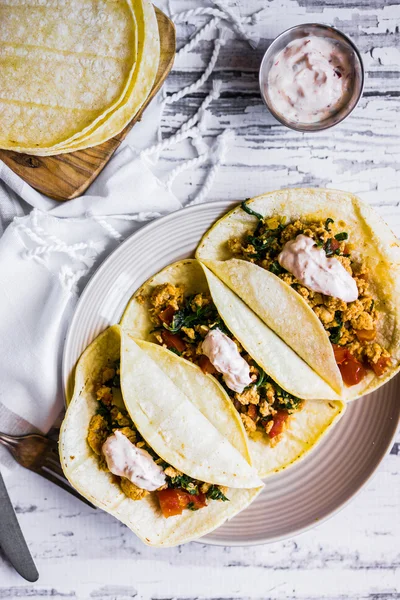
[[323, 124]]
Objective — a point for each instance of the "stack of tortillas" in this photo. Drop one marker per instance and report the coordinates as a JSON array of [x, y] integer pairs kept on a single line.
[[73, 72]]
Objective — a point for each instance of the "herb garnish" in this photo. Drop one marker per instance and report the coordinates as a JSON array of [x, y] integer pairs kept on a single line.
[[342, 236], [214, 493], [250, 211]]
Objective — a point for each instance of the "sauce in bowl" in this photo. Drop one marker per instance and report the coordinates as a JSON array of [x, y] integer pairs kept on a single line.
[[310, 79]]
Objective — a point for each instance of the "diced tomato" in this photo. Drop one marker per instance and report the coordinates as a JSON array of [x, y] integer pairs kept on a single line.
[[174, 500], [279, 421], [334, 245], [365, 334], [351, 369], [172, 340], [340, 352], [197, 501], [346, 249], [381, 365], [167, 315], [171, 502], [206, 365], [252, 412]]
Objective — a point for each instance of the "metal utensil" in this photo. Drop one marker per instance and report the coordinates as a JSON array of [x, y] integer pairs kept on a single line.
[[319, 30], [12, 540], [39, 453]]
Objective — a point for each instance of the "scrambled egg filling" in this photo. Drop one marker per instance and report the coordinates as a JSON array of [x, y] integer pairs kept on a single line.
[[352, 325], [182, 322], [109, 418]]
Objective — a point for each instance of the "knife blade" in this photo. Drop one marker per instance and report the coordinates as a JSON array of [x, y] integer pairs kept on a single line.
[[12, 540]]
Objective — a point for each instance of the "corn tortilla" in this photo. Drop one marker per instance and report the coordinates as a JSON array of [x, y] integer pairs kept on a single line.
[[64, 68]]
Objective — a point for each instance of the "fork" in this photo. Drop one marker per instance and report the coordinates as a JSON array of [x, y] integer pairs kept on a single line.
[[39, 454]]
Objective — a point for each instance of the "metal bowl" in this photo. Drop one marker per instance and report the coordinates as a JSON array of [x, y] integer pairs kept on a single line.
[[300, 31]]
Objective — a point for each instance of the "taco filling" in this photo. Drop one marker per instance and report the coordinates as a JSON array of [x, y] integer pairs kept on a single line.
[[122, 451], [190, 326], [317, 259]]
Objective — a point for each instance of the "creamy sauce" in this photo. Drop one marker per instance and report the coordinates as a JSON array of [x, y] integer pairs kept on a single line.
[[223, 353], [126, 460], [310, 80], [310, 265]]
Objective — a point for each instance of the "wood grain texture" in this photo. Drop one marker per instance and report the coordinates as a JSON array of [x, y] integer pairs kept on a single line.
[[67, 176], [87, 555]]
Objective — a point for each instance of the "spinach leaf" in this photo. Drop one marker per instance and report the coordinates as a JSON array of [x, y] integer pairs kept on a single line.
[[105, 413], [102, 410], [175, 351], [335, 333], [186, 483], [214, 493], [116, 379], [250, 211], [219, 324], [265, 242], [262, 378], [288, 402], [276, 268], [178, 321], [327, 223], [187, 318], [342, 236], [285, 400]]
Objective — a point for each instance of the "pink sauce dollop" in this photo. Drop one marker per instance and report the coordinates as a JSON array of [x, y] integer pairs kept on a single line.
[[311, 79]]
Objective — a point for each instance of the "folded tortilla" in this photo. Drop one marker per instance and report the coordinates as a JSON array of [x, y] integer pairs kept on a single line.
[[274, 301], [306, 427], [291, 318], [144, 516], [173, 426]]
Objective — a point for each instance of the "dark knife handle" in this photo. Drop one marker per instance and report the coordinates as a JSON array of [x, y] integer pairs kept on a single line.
[[12, 540]]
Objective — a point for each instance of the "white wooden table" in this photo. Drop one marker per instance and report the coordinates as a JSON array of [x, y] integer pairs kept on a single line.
[[82, 553]]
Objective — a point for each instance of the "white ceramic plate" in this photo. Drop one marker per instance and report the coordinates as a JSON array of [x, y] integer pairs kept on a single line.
[[292, 501]]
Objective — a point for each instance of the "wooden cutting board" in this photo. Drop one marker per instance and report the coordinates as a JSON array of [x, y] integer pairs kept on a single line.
[[66, 176]]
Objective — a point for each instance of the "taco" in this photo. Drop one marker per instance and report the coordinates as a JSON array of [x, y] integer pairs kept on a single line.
[[189, 311], [329, 267], [134, 445]]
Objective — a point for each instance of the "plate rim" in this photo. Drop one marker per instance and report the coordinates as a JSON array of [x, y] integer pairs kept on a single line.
[[224, 205]]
